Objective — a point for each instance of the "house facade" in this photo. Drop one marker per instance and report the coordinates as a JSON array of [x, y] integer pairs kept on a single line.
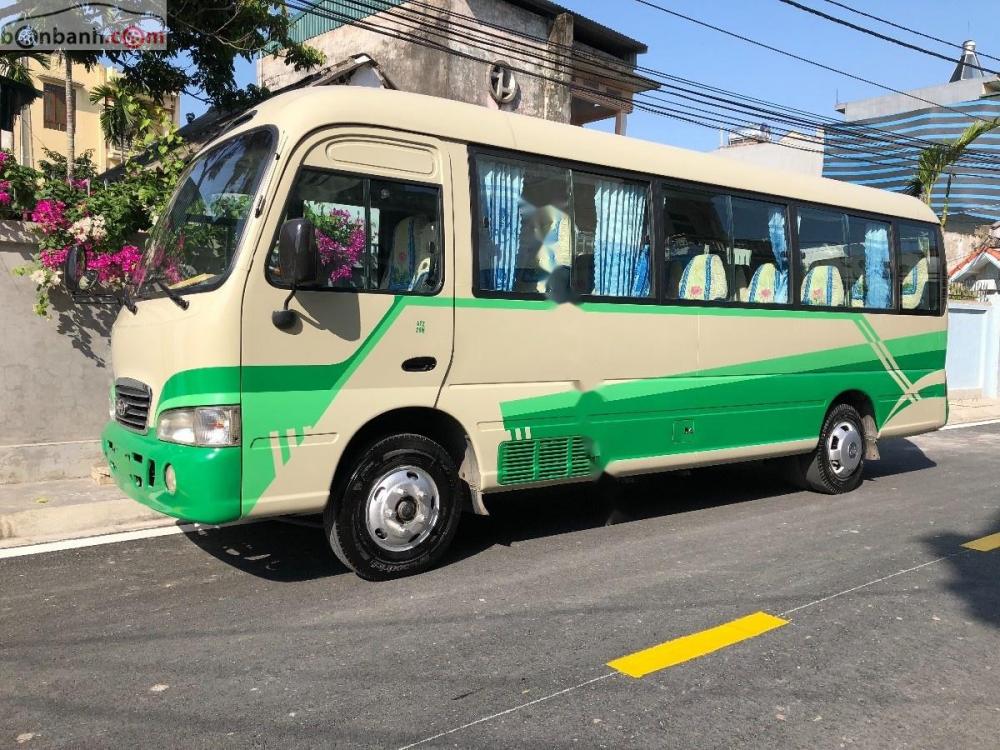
[[475, 51], [42, 125]]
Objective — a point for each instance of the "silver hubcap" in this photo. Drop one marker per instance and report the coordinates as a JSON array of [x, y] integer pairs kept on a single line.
[[844, 448], [402, 509]]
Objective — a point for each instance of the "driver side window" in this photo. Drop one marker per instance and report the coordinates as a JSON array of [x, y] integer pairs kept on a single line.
[[372, 234]]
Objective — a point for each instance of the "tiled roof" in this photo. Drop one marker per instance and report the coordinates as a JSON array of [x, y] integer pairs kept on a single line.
[[973, 256]]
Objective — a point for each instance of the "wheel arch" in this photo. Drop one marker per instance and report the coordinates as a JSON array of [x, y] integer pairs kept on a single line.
[[432, 423], [866, 408]]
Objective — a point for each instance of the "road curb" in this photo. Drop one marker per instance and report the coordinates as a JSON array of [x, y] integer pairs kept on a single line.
[[75, 521]]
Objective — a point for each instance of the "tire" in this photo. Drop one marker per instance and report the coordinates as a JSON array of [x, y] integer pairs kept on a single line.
[[398, 512], [837, 464]]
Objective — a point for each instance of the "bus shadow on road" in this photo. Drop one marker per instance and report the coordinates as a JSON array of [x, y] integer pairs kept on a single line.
[[273, 550], [298, 551], [899, 456], [975, 575], [527, 514]]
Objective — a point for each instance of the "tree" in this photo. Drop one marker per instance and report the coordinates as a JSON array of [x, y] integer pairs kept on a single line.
[[14, 65], [70, 120], [935, 160], [204, 44], [125, 105]]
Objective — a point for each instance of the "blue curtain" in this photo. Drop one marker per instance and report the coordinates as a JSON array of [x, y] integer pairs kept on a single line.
[[878, 289], [621, 256], [502, 184], [779, 246]]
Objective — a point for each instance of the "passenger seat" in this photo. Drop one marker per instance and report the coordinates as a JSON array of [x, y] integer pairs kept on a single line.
[[823, 286], [413, 256], [704, 279]]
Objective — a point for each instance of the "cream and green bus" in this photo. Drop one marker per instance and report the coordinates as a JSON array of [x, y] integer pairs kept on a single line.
[[383, 307]]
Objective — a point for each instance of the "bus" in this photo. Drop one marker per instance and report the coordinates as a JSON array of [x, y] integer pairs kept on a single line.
[[384, 307]]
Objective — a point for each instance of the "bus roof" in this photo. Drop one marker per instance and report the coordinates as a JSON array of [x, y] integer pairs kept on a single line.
[[305, 110]]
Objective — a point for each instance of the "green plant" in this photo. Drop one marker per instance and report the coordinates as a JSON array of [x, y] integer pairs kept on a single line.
[[125, 105], [938, 158], [105, 221], [958, 290], [53, 166]]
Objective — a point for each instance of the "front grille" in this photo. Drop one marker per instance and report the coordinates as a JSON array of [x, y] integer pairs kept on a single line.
[[132, 400]]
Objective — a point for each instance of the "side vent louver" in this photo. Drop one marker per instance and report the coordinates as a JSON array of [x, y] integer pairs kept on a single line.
[[522, 461]]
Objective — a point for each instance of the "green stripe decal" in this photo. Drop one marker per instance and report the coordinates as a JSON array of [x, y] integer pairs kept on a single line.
[[290, 399], [769, 401]]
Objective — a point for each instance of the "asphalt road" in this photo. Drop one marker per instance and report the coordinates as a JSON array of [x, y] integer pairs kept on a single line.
[[253, 637]]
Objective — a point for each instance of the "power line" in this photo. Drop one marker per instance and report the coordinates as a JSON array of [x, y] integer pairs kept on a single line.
[[847, 136], [800, 58], [655, 108], [906, 28], [878, 35]]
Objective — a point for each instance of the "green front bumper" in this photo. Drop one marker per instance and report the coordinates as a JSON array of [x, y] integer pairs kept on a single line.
[[208, 479]]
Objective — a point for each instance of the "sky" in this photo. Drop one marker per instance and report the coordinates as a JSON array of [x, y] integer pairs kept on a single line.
[[681, 48]]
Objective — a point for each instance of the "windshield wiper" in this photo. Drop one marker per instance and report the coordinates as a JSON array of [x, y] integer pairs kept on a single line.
[[177, 299]]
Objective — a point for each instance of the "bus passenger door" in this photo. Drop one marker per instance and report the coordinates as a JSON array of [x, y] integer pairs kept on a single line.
[[372, 334]]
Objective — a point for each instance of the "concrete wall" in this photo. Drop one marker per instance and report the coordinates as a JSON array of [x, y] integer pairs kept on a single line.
[[973, 364], [54, 375], [802, 158], [411, 67]]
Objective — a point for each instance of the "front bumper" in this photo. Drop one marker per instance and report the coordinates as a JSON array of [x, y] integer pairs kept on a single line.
[[208, 479]]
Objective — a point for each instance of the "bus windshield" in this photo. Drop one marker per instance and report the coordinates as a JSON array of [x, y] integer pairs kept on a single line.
[[193, 243]]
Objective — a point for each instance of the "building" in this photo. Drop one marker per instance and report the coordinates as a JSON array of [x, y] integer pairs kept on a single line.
[[972, 194], [587, 75], [42, 124], [793, 152]]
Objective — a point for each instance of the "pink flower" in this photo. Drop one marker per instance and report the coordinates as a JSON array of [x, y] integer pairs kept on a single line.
[[4, 198], [341, 256], [53, 259], [4, 156], [50, 215]]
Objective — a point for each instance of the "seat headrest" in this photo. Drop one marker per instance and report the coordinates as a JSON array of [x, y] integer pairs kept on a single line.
[[704, 278]]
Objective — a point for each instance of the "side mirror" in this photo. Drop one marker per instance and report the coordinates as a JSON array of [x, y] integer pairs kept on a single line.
[[559, 287], [297, 251], [76, 278], [299, 261]]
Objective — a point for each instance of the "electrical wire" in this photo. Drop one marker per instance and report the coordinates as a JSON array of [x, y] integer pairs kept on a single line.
[[878, 35], [800, 58], [677, 112], [907, 29], [542, 46]]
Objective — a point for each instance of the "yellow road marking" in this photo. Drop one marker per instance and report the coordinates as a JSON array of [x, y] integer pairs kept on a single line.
[[986, 544], [692, 646]]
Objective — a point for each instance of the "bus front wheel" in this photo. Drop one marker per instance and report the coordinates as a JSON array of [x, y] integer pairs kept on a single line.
[[399, 509], [837, 463]]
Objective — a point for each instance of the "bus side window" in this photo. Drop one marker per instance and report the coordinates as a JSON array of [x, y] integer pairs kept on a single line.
[[822, 257], [371, 234], [536, 217], [698, 245], [760, 252], [869, 264], [611, 252], [919, 268]]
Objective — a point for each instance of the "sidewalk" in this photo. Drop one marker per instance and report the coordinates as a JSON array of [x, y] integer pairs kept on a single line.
[[76, 508], [37, 512], [973, 410]]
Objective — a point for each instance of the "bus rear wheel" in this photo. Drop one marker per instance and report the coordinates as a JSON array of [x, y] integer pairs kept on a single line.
[[398, 512], [838, 462]]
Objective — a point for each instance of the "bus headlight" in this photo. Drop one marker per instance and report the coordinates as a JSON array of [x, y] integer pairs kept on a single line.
[[214, 426]]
